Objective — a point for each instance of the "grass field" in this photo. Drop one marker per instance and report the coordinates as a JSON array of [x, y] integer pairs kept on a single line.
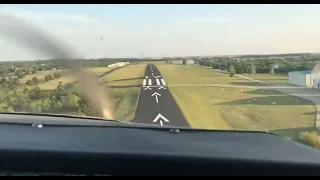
[[98, 70], [220, 108], [50, 85], [65, 79], [126, 99], [130, 75], [40, 75], [181, 74], [278, 78]]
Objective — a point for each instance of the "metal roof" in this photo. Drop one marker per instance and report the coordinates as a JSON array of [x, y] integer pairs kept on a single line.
[[302, 72]]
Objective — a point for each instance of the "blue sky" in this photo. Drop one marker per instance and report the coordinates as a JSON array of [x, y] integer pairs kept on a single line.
[[171, 30]]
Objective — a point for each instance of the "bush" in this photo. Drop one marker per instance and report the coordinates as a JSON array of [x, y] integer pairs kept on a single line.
[[35, 81], [57, 75], [29, 82], [310, 138]]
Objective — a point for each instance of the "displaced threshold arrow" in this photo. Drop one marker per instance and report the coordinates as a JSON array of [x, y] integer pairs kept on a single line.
[[156, 94], [156, 76], [161, 118], [147, 88]]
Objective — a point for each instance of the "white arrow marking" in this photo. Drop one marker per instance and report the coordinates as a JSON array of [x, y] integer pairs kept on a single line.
[[147, 88], [163, 82], [152, 73], [161, 87], [147, 77], [159, 116], [144, 82], [156, 94], [156, 76]]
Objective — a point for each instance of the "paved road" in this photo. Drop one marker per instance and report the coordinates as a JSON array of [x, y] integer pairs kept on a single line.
[[156, 104]]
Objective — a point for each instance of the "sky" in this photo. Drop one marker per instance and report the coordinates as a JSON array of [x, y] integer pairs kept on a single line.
[[169, 30]]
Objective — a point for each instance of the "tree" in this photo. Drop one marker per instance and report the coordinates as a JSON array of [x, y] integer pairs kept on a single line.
[[184, 62], [35, 81], [272, 70], [20, 74], [253, 68], [29, 83], [57, 75], [48, 78], [232, 71], [16, 81]]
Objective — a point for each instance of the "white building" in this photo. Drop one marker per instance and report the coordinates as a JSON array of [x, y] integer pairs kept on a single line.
[[118, 64], [189, 61], [304, 78]]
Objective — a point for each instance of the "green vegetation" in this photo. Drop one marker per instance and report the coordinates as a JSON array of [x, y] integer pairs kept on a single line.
[[260, 65], [234, 107], [126, 97], [49, 87], [179, 74], [131, 75], [310, 138]]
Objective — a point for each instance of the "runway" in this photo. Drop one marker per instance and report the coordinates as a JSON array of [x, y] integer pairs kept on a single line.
[[156, 104]]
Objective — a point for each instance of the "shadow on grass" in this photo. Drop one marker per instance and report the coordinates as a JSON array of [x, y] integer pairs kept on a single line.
[[270, 100], [310, 113], [246, 83], [266, 79], [126, 86], [110, 71], [263, 92], [71, 84], [128, 79]]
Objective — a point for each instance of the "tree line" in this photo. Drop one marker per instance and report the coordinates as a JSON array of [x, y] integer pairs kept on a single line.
[[257, 66], [60, 100]]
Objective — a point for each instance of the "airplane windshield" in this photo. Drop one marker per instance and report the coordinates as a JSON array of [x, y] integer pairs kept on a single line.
[[226, 67]]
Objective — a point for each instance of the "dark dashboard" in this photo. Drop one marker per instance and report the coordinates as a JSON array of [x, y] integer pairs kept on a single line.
[[114, 148]]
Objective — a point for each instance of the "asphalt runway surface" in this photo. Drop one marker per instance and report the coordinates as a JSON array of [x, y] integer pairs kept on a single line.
[[156, 104]]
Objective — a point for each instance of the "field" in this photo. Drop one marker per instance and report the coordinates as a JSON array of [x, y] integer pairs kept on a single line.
[[181, 74], [125, 97], [277, 78], [234, 108], [65, 79], [130, 75]]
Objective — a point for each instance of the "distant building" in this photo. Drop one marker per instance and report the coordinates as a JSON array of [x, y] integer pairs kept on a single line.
[[305, 78], [118, 64], [189, 62], [177, 62]]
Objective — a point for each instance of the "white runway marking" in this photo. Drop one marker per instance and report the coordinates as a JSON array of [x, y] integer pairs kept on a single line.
[[158, 82], [150, 82], [161, 118], [163, 82], [156, 94], [144, 82]]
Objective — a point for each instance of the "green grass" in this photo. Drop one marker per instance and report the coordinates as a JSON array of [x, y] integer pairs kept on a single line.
[[277, 78], [66, 77], [240, 108], [125, 100], [130, 75], [192, 74], [50, 85]]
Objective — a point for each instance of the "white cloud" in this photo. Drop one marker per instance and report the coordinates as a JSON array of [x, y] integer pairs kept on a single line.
[[50, 17], [207, 20]]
